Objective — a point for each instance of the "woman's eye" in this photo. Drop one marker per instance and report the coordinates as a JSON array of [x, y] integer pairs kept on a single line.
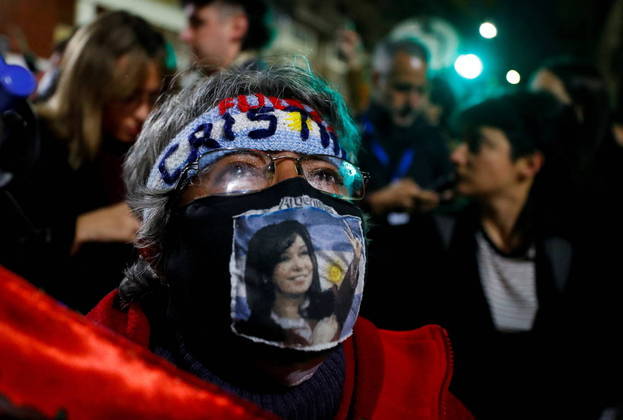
[[236, 176], [326, 176], [233, 174], [239, 170]]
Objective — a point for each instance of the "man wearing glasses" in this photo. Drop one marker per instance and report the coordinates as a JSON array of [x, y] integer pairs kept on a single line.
[[253, 255], [407, 157], [408, 162]]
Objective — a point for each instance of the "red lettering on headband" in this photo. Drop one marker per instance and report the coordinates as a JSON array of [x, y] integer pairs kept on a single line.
[[243, 105], [225, 104], [261, 100], [315, 116], [295, 103], [276, 102]]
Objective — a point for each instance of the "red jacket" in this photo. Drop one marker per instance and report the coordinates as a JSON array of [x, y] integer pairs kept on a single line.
[[53, 361], [389, 374]]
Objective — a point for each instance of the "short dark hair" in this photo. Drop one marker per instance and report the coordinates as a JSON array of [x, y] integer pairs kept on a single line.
[[259, 33], [530, 121]]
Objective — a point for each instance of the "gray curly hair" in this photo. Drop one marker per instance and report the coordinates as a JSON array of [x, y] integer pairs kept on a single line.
[[153, 207]]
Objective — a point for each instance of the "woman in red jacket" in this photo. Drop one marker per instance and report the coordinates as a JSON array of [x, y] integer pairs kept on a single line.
[[213, 165]]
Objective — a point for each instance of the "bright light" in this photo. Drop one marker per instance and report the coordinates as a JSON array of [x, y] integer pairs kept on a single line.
[[513, 77], [468, 66], [488, 30]]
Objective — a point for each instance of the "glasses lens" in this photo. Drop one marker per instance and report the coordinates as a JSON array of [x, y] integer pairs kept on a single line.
[[408, 87], [233, 172], [333, 175], [239, 171]]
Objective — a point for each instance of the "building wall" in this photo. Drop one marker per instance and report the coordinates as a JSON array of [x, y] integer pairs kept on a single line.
[[35, 21]]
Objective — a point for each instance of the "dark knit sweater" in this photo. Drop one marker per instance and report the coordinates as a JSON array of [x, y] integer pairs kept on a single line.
[[317, 398]]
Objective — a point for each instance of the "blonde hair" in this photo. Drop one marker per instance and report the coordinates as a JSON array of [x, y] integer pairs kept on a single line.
[[105, 60]]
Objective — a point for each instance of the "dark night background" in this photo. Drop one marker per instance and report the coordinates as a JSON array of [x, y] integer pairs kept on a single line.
[[528, 30]]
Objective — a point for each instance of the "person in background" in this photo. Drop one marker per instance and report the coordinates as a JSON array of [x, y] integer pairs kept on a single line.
[[441, 106], [111, 74], [351, 52], [512, 287], [224, 32], [406, 157], [408, 161], [201, 190], [581, 190], [586, 125]]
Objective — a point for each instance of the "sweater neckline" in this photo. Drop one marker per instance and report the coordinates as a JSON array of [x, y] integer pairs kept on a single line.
[[317, 397]]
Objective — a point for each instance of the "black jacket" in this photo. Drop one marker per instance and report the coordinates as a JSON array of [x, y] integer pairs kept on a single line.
[[37, 243]]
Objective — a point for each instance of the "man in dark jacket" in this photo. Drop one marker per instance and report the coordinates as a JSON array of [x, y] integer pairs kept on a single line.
[[408, 160], [406, 156]]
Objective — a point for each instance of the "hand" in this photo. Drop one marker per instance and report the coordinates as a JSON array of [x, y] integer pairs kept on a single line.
[[350, 48], [325, 330], [426, 201], [107, 224], [353, 268], [355, 243], [403, 194]]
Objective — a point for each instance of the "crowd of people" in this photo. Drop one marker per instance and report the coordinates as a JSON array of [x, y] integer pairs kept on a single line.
[[391, 255]]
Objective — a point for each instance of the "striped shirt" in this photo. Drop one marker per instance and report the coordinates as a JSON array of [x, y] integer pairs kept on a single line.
[[509, 285]]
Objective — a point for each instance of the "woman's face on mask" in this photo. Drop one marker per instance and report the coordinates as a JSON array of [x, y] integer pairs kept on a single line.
[[293, 273]]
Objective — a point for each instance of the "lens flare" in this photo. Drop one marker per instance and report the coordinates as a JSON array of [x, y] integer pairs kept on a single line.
[[488, 30], [468, 66]]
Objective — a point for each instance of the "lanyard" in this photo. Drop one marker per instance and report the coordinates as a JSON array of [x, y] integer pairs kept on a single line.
[[403, 165]]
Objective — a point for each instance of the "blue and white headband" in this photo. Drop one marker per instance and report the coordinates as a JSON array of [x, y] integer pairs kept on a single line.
[[248, 121]]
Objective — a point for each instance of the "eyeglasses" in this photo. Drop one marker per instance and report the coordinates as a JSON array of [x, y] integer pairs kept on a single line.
[[408, 88], [241, 171]]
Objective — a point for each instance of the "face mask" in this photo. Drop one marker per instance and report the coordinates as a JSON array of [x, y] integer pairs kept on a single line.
[[281, 268]]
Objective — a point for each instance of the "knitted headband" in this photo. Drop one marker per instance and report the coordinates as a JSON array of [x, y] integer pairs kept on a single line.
[[248, 121]]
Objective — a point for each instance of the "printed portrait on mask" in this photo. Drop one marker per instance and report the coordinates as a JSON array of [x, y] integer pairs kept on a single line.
[[296, 272]]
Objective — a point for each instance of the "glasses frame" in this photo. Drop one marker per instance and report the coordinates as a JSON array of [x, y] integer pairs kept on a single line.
[[186, 179]]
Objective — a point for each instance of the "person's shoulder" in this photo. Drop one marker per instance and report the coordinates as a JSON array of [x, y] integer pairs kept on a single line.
[[406, 340], [418, 360], [424, 333], [373, 119]]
